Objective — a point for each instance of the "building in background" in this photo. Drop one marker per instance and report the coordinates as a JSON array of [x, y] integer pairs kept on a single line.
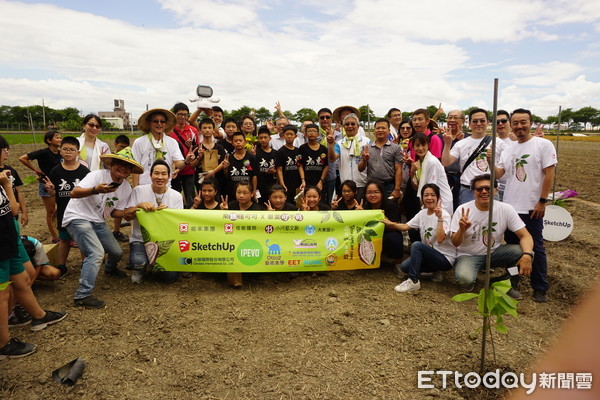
[[119, 118]]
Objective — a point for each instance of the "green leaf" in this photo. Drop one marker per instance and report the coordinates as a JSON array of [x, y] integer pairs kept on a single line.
[[163, 247], [338, 217], [525, 156], [500, 327], [480, 301], [366, 237], [5, 285], [372, 224], [370, 232], [464, 297], [325, 217], [158, 267], [145, 234]]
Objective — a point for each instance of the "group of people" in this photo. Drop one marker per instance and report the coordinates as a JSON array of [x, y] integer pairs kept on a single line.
[[435, 180]]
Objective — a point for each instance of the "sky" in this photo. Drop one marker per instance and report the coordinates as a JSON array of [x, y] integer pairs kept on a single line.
[[384, 53]]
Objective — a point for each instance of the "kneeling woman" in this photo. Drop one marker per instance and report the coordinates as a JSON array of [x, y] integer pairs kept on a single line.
[[435, 252], [392, 244], [152, 197]]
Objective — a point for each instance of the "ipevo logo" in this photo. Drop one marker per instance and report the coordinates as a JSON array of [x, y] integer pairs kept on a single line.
[[250, 252]]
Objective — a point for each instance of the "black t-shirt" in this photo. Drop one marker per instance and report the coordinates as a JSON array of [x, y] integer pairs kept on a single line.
[[203, 207], [8, 231], [235, 205], [289, 160], [240, 171], [390, 209], [46, 159], [15, 180], [226, 145], [342, 206], [313, 162], [64, 182], [265, 161]]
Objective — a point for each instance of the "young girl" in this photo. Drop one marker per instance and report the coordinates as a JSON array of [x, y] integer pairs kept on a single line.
[[243, 202], [277, 200], [206, 200], [48, 158], [348, 199], [435, 252], [91, 148], [428, 169], [392, 245], [311, 200]]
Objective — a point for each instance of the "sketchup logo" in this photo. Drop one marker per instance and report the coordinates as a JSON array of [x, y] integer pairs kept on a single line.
[[184, 246]]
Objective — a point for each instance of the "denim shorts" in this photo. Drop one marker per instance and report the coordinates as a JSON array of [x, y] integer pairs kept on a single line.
[[42, 192]]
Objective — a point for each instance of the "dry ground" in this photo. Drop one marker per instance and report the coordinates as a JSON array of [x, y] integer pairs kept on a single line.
[[346, 335]]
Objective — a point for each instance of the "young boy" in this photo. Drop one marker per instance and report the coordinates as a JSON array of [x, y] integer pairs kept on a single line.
[[289, 169], [242, 166], [230, 127], [12, 256], [14, 179], [48, 158], [61, 181], [121, 142], [314, 158], [210, 154], [265, 157]]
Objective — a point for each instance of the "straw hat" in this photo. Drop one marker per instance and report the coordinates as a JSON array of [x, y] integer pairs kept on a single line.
[[338, 111], [144, 122], [123, 155]]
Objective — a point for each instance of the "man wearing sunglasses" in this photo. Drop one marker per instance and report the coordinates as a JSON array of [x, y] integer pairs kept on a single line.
[[333, 175], [504, 134], [470, 229], [529, 165]]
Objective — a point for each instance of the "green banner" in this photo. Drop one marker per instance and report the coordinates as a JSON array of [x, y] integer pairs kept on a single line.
[[262, 241]]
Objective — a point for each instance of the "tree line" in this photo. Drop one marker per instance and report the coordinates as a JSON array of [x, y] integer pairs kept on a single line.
[[70, 118]]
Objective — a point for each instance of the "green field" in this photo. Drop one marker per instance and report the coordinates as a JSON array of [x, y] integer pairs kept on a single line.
[[28, 138]]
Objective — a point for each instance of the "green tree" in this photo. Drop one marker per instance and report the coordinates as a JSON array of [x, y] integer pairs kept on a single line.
[[536, 119], [584, 115], [305, 114], [366, 113], [240, 112], [262, 114]]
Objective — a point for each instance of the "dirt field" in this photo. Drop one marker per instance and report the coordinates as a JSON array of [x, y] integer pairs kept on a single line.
[[346, 335]]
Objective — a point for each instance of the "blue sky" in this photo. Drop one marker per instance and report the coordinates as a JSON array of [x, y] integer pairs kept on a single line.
[[384, 53]]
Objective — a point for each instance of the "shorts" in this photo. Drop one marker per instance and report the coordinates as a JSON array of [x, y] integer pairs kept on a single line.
[[42, 192], [64, 234], [14, 266]]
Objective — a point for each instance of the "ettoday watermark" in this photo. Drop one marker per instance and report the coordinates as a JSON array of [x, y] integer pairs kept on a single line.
[[504, 380]]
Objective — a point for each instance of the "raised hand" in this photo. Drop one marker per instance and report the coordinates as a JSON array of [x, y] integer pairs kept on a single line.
[[270, 125], [48, 184], [365, 153], [438, 209], [447, 136], [336, 201], [191, 155], [269, 206], [464, 221], [359, 206], [197, 201], [224, 203], [330, 137]]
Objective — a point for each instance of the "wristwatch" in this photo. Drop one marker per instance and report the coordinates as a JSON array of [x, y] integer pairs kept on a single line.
[[94, 190], [543, 200], [529, 253]]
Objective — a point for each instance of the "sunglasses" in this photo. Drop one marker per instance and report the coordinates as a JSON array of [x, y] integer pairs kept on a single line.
[[93, 125], [501, 121], [482, 188], [324, 116], [350, 124], [479, 121], [158, 121]]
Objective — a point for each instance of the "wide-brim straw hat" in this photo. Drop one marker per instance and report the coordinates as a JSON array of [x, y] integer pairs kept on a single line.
[[124, 155], [144, 121], [338, 111], [432, 125]]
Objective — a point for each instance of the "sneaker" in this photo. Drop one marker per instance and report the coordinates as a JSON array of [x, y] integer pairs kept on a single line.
[[63, 270], [438, 276], [51, 318], [89, 302], [16, 349], [514, 294], [539, 296], [137, 276], [116, 273], [120, 236], [125, 223], [19, 317], [468, 288], [408, 286], [186, 275]]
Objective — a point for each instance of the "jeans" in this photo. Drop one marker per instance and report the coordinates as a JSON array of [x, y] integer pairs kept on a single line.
[[424, 258], [392, 244], [539, 267], [138, 260], [465, 195], [93, 239], [467, 267], [185, 183]]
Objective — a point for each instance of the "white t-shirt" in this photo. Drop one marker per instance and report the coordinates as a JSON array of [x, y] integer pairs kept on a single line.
[[427, 225], [523, 164], [144, 193], [145, 153], [97, 207], [507, 143], [349, 163], [278, 142], [437, 174], [475, 239], [463, 149]]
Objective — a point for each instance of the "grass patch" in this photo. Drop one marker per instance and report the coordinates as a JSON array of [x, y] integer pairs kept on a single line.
[[27, 138]]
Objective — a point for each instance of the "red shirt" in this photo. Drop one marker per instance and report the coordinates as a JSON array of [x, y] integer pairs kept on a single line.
[[185, 134]]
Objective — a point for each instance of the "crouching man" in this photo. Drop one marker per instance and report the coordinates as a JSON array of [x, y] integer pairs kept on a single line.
[[469, 229], [100, 195]]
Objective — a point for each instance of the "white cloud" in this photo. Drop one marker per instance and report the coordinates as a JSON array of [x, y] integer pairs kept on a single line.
[[214, 14], [542, 74]]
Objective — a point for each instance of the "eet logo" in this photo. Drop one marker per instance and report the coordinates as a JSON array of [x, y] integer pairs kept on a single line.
[[184, 245]]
